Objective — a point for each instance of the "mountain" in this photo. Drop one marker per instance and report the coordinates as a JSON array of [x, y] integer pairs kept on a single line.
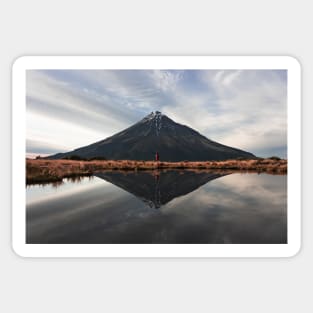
[[159, 187], [157, 132]]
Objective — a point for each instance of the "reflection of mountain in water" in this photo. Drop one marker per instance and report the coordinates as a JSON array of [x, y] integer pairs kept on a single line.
[[159, 187]]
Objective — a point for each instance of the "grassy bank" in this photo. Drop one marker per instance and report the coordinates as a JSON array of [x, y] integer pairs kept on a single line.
[[40, 171]]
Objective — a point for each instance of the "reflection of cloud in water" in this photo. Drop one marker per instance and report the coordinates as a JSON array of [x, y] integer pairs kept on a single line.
[[245, 204], [44, 192], [255, 186], [230, 191], [247, 208]]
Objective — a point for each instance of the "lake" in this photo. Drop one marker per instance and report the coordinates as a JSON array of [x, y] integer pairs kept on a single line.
[[159, 207]]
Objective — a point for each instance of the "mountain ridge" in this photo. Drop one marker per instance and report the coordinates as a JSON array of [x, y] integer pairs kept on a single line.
[[157, 132]]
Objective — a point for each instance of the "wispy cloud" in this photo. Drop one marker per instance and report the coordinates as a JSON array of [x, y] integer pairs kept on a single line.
[[242, 108], [166, 80], [226, 77]]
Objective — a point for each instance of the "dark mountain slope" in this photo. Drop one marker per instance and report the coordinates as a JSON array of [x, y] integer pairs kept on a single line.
[[159, 187], [157, 132]]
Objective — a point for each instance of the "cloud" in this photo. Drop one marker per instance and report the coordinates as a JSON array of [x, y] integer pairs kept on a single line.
[[166, 80], [246, 109], [226, 77], [43, 147], [45, 134], [69, 102]]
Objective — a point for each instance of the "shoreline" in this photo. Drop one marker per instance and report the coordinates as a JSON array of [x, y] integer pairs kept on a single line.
[[49, 171]]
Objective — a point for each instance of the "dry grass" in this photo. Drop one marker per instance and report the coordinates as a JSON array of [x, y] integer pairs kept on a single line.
[[40, 171]]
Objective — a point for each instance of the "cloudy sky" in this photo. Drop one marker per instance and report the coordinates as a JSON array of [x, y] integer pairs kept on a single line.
[[246, 109]]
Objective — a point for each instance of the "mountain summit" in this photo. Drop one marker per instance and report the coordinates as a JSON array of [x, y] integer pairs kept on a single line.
[[157, 132]]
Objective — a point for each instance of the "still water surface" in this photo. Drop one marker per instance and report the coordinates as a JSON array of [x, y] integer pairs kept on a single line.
[[159, 207]]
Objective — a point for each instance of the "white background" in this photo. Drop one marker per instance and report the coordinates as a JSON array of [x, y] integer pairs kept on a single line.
[[169, 28]]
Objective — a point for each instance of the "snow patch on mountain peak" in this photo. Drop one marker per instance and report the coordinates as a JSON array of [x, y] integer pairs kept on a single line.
[[155, 118], [153, 115], [158, 122]]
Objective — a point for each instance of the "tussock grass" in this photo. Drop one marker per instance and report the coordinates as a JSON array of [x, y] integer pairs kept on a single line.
[[40, 171]]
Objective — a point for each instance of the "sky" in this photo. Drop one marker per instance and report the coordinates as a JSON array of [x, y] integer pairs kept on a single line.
[[68, 109]]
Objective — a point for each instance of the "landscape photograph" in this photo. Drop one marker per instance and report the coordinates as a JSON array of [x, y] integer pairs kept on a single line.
[[156, 156]]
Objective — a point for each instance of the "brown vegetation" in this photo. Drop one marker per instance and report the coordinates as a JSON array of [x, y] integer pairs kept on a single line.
[[40, 170]]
